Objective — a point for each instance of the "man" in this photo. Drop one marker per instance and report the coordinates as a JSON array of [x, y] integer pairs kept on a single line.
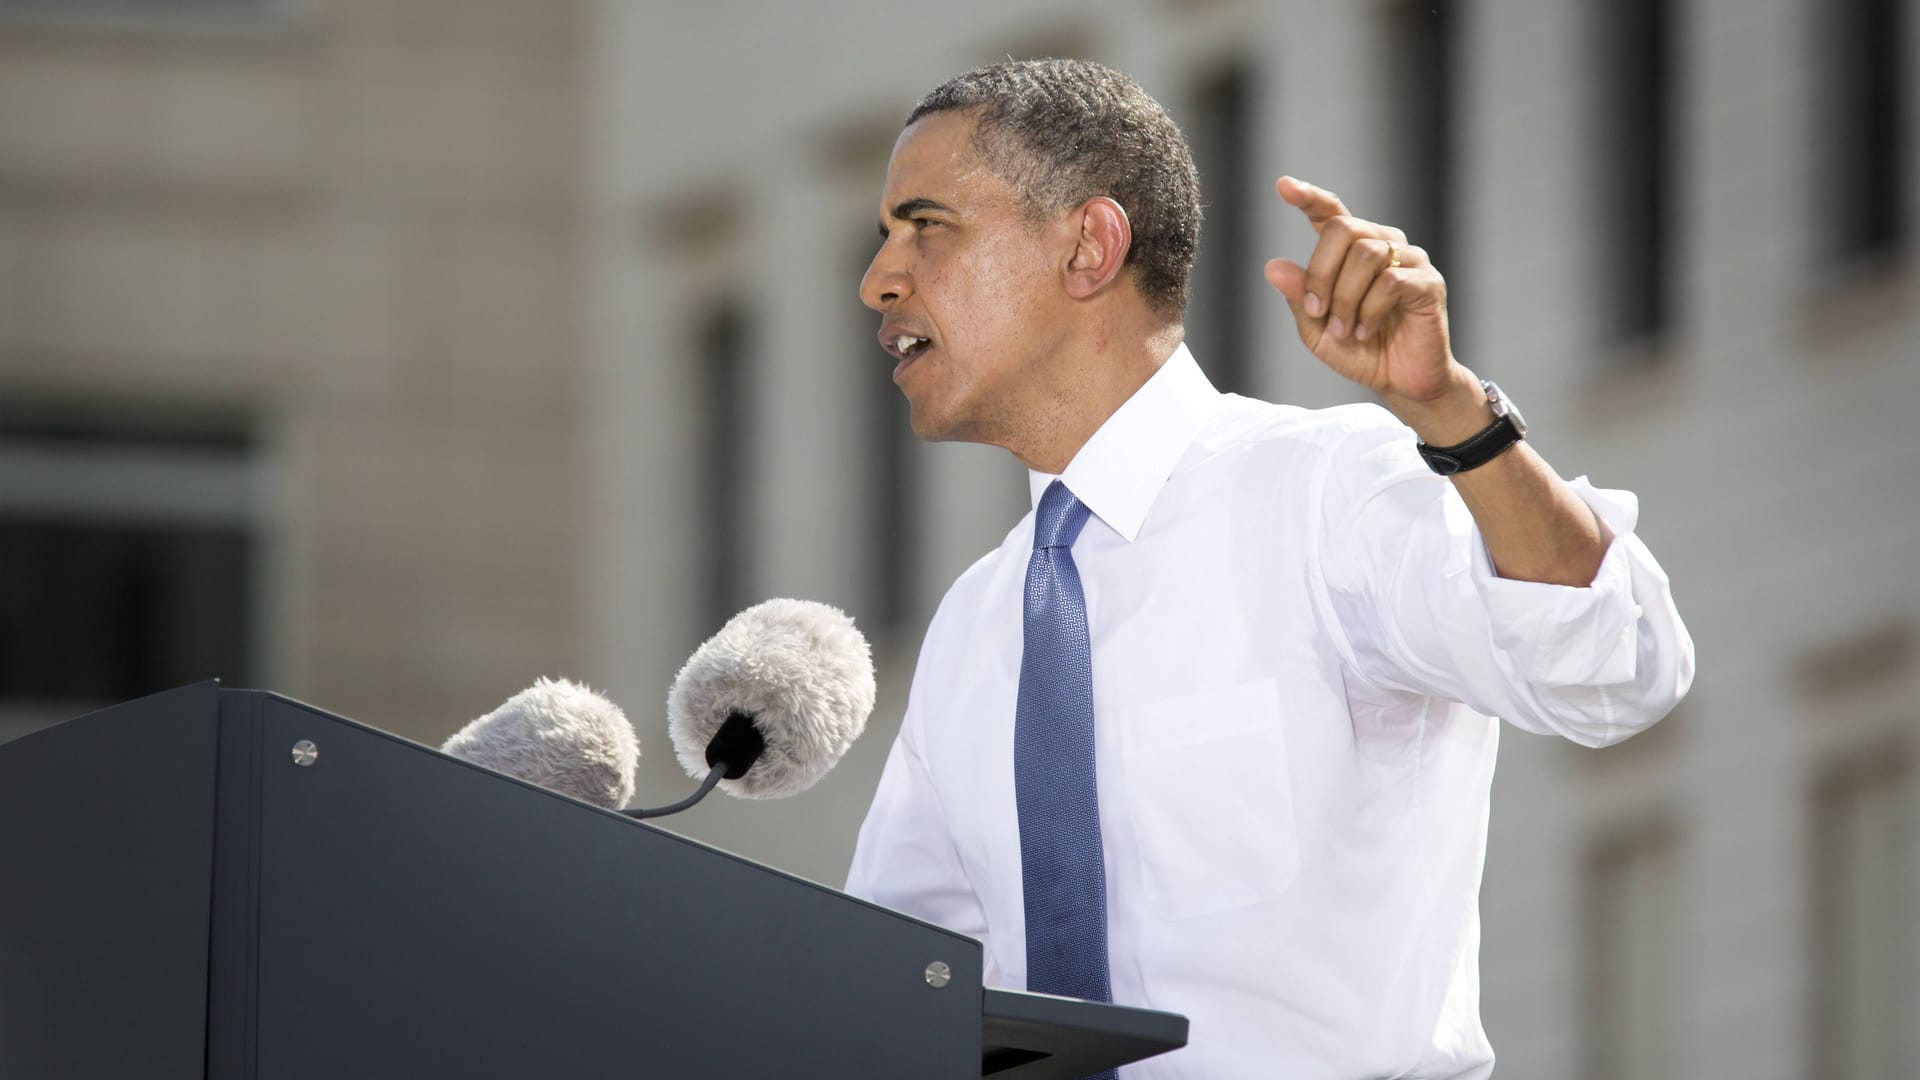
[[1210, 731]]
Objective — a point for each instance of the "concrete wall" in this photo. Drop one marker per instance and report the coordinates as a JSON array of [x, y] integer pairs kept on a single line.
[[358, 223]]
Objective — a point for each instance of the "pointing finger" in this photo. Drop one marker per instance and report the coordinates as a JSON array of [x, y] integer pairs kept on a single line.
[[1318, 204]]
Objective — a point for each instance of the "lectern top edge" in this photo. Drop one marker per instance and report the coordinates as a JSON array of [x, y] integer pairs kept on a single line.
[[323, 716]]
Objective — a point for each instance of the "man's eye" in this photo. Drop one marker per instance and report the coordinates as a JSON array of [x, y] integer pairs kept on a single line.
[[921, 223]]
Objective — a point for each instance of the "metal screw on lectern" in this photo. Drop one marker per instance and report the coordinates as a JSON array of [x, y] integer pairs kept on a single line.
[[938, 974], [305, 753]]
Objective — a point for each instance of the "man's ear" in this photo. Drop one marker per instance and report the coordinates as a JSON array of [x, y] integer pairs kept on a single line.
[[1100, 249]]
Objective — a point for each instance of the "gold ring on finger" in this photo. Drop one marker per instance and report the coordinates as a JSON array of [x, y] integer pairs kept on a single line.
[[1393, 254]]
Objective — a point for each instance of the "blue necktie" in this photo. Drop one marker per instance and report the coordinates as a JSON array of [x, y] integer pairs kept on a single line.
[[1063, 872]]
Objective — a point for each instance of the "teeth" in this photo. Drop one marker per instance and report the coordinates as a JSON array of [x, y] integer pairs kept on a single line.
[[906, 343]]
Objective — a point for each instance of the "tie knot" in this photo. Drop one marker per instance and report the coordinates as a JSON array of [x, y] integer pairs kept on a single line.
[[1060, 518]]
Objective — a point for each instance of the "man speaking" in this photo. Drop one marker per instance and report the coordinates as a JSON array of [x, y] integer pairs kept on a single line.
[[1212, 730]]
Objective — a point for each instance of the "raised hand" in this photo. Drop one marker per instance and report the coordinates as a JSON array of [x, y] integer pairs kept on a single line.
[[1368, 304]]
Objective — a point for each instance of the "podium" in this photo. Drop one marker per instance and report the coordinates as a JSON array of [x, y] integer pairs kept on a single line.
[[213, 884]]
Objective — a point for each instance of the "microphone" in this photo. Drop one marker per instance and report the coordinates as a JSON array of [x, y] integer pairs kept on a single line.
[[767, 705], [558, 735]]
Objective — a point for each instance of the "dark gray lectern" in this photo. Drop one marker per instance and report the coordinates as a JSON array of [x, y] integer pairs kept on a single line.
[[216, 884]]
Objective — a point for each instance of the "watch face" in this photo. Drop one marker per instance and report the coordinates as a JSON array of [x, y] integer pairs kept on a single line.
[[1503, 406]]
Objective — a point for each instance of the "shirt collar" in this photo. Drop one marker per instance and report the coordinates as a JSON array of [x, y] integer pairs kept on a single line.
[[1121, 469]]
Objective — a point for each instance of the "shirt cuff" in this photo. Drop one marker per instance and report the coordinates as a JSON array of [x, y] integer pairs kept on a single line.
[[1559, 635]]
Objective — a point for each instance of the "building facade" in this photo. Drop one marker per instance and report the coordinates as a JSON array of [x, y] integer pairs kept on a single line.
[[290, 352]]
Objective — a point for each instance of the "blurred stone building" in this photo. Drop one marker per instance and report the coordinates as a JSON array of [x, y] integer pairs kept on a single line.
[[436, 345], [290, 351]]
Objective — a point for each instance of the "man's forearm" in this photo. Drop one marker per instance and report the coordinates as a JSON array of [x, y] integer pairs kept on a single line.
[[1535, 527]]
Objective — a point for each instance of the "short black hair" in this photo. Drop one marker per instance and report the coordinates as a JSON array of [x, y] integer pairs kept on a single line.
[[1064, 131]]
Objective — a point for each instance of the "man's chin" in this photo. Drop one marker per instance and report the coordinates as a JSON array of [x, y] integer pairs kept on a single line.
[[929, 428], [932, 424]]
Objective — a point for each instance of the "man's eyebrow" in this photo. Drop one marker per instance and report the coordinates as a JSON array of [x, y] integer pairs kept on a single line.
[[911, 208]]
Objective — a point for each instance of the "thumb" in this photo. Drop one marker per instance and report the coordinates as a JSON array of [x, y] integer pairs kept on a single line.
[[1290, 279]]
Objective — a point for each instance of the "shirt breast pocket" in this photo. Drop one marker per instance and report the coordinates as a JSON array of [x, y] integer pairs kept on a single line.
[[1210, 800]]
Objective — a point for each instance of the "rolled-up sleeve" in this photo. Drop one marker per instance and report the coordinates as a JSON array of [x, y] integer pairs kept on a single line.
[[1416, 607]]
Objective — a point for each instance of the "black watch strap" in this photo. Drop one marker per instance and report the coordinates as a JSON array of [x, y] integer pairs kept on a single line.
[[1475, 452]]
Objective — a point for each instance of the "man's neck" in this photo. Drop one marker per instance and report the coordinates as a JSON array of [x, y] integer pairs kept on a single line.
[[1090, 388]]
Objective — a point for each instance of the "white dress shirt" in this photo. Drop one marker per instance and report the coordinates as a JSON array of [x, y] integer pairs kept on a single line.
[[1298, 644]]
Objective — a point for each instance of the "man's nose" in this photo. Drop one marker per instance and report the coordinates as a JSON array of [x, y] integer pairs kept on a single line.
[[884, 284]]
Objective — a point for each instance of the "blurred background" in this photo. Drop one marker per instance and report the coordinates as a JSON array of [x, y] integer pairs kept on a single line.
[[391, 353]]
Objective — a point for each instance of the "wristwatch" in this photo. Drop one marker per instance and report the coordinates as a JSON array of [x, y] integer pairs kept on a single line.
[[1508, 427]]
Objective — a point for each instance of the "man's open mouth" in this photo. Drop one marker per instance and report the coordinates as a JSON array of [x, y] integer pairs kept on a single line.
[[907, 346]]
